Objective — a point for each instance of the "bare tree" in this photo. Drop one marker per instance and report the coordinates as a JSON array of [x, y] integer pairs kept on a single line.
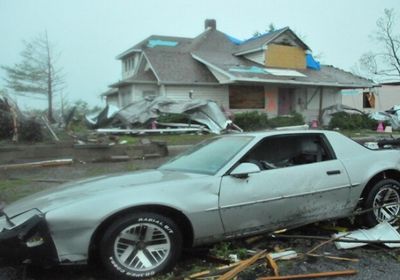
[[386, 62], [36, 74]]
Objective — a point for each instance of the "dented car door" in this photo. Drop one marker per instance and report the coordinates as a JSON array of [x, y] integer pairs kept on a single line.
[[284, 195]]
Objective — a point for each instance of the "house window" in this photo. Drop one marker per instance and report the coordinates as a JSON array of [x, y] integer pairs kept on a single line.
[[368, 100], [246, 97], [149, 94], [130, 63]]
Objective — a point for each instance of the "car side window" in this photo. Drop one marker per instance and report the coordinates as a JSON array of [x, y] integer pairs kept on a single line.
[[289, 150]]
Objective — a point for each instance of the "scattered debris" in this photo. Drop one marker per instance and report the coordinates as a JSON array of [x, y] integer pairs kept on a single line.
[[382, 232], [47, 124], [147, 131], [311, 275], [242, 266], [147, 110], [284, 255], [392, 116]]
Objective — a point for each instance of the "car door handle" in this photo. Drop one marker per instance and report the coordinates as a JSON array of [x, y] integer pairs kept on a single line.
[[333, 172]]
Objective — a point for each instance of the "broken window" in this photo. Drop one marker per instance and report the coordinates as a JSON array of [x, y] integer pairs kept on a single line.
[[368, 100], [289, 150]]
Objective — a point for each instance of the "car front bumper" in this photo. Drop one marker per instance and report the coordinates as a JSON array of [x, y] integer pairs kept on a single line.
[[27, 242]]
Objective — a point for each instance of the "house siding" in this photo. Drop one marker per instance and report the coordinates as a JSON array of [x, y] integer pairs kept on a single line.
[[308, 101], [385, 98], [219, 94], [258, 57]]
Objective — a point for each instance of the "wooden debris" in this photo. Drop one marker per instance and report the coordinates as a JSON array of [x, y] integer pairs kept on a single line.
[[47, 124], [334, 258], [46, 163], [218, 270], [273, 264], [242, 266], [311, 275]]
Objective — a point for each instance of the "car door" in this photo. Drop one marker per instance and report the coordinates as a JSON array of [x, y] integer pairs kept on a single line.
[[300, 186]]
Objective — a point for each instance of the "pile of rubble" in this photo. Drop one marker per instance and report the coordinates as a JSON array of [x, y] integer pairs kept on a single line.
[[266, 260]]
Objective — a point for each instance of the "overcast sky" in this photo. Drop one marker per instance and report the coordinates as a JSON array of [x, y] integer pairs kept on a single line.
[[91, 33]]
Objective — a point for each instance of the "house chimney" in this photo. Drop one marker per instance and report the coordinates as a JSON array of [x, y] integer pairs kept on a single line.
[[210, 23]]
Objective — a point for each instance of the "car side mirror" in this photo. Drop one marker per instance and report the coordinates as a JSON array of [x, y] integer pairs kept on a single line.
[[244, 169]]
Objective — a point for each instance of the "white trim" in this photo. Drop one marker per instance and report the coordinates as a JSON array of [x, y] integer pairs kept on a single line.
[[127, 52], [151, 67], [231, 77], [264, 44], [290, 82]]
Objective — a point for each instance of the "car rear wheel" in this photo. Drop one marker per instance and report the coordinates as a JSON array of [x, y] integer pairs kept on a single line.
[[140, 245], [384, 200]]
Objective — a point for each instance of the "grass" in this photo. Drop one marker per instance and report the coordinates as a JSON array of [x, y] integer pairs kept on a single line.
[[10, 189], [367, 133]]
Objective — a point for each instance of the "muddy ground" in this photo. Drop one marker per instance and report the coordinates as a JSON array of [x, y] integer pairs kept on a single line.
[[374, 262]]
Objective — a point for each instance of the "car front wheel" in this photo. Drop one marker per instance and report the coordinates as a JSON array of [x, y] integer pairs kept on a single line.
[[141, 245], [384, 202]]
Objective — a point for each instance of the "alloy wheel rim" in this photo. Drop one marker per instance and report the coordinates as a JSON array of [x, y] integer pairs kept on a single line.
[[142, 247], [386, 205]]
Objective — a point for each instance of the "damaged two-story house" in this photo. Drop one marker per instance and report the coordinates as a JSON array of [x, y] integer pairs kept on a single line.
[[274, 72]]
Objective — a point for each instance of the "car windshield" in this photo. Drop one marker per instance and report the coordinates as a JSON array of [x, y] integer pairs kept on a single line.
[[209, 156]]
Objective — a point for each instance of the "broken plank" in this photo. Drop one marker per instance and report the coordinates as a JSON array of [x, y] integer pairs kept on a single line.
[[273, 264], [45, 163], [243, 265], [311, 275], [334, 257], [218, 270]]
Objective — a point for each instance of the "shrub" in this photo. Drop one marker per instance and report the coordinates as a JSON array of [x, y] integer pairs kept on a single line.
[[344, 120], [249, 121], [293, 119], [6, 127], [30, 130]]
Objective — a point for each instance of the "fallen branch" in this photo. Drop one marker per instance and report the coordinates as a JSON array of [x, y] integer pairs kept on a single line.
[[311, 275]]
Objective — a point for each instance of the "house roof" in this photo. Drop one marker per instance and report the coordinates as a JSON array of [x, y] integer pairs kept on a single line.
[[178, 60], [258, 42], [181, 43]]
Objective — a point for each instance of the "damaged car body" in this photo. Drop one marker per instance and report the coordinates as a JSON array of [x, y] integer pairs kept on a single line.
[[230, 186]]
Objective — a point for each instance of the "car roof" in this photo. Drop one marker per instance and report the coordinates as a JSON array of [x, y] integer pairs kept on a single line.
[[262, 134]]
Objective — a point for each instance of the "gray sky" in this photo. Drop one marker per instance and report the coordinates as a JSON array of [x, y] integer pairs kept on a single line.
[[91, 33]]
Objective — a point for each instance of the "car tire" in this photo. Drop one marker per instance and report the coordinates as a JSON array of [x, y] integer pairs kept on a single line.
[[140, 245], [386, 191]]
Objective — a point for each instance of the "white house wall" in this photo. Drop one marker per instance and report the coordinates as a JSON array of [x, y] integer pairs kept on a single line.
[[307, 101], [219, 94], [129, 94]]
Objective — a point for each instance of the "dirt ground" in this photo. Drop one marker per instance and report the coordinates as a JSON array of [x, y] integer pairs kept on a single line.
[[374, 262]]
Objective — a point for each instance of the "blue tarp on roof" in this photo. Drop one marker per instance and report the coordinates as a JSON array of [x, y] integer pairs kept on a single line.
[[312, 63], [234, 40], [252, 69], [155, 43]]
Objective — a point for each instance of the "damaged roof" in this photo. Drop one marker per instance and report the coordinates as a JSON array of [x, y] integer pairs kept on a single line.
[[179, 60]]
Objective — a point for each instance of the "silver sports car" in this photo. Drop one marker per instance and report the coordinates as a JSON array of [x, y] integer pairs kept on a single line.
[[226, 187]]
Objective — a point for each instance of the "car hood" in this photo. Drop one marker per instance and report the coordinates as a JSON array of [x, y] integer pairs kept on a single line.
[[76, 191]]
